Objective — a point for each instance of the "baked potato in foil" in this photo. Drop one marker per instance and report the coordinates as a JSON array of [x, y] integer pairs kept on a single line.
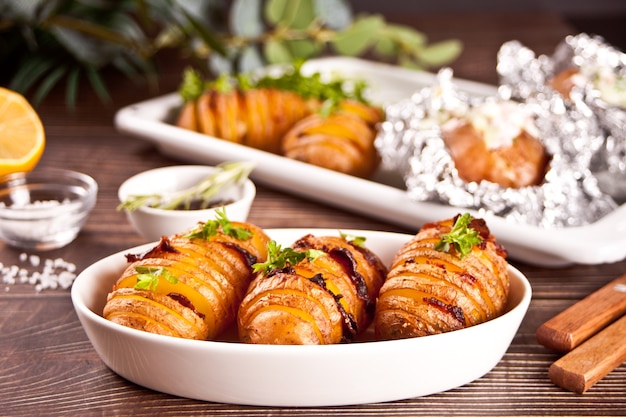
[[190, 284], [590, 75]]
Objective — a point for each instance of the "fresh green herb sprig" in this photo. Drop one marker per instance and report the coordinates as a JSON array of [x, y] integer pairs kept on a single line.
[[329, 92], [212, 227], [279, 257], [228, 174], [355, 240], [148, 278], [462, 237]]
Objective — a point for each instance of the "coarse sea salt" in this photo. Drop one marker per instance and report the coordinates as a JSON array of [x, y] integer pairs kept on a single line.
[[42, 274]]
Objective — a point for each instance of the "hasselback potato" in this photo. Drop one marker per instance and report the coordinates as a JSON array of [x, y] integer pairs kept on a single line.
[[300, 117], [342, 141], [451, 275], [189, 285], [326, 295], [257, 117]]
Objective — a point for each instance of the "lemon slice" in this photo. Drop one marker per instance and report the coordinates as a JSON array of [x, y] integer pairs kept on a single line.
[[22, 137]]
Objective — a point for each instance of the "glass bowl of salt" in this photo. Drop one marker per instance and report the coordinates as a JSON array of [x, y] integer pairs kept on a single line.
[[44, 209]]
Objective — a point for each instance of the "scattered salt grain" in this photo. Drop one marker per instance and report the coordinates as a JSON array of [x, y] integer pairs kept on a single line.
[[49, 274]]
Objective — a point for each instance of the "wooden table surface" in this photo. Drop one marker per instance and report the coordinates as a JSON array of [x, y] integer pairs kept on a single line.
[[48, 367]]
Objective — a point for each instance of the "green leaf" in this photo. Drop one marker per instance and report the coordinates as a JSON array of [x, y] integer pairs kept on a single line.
[[246, 18], [276, 52], [205, 34], [355, 240], [303, 48], [72, 88], [406, 35], [304, 14], [48, 83], [211, 228], [279, 258], [30, 72], [98, 85], [440, 53], [148, 277], [386, 47], [462, 238], [359, 36], [275, 10], [334, 14], [250, 59], [294, 14]]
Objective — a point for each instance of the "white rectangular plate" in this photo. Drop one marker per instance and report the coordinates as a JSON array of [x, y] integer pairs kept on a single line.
[[382, 196]]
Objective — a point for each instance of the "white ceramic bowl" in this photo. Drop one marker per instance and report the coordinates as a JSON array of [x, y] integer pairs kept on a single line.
[[270, 375], [152, 223], [45, 209]]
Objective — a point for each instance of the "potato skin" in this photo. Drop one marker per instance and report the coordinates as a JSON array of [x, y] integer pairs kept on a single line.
[[342, 141], [429, 292], [212, 277], [522, 164], [327, 300], [284, 123]]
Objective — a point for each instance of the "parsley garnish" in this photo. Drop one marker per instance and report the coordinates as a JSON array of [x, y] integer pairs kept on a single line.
[[355, 240], [212, 227], [462, 237], [329, 92], [278, 258], [148, 277]]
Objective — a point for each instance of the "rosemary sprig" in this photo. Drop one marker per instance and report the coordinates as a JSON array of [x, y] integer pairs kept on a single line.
[[227, 174]]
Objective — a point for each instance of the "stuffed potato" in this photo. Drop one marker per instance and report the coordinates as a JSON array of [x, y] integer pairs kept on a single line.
[[326, 295], [451, 275], [189, 285], [497, 142]]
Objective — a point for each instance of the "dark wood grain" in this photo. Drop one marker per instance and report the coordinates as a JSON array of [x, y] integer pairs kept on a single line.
[[48, 367]]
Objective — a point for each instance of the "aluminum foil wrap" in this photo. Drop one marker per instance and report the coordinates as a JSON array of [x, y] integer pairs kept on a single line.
[[410, 141], [600, 84]]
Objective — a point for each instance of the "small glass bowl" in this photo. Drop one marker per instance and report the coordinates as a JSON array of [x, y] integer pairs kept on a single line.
[[45, 209]]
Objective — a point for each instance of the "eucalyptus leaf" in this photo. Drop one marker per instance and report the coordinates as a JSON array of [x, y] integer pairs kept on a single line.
[[440, 53], [407, 61], [359, 36], [245, 18], [294, 14], [303, 48], [335, 14], [386, 47], [219, 64], [276, 52], [250, 59], [406, 35]]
